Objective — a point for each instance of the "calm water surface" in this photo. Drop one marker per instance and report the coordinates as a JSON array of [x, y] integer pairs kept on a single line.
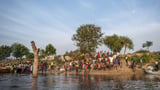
[[79, 82]]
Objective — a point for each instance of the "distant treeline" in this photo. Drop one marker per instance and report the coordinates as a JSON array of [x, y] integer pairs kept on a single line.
[[19, 50]]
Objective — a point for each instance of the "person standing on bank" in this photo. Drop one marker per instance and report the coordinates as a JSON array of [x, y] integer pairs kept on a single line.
[[126, 61]]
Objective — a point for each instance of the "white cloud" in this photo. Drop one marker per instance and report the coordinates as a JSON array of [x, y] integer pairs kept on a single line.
[[44, 25], [86, 4], [54, 31]]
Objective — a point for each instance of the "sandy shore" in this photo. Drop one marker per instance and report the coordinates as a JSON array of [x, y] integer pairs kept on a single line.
[[107, 72]]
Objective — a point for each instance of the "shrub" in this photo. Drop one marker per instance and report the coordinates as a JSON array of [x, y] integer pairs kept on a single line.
[[157, 56], [141, 51], [144, 57]]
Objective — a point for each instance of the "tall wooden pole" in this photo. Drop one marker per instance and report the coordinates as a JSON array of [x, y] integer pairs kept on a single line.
[[35, 64]]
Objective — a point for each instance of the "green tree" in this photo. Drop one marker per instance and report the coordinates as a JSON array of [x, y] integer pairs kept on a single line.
[[66, 53], [88, 37], [19, 50], [30, 56], [42, 53], [4, 51], [147, 44], [113, 43], [50, 49], [126, 42]]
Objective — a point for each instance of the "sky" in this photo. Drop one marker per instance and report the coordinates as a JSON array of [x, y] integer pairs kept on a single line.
[[55, 21]]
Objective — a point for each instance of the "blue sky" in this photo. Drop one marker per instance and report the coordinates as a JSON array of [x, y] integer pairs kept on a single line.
[[55, 21]]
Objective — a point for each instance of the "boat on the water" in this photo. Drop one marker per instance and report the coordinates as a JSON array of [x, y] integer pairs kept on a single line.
[[152, 72]]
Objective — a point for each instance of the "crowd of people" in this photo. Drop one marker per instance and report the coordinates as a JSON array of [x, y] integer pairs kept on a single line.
[[85, 62], [98, 61], [42, 66], [21, 68], [28, 67]]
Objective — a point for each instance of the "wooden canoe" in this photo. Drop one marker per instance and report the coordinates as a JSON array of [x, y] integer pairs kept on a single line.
[[152, 72]]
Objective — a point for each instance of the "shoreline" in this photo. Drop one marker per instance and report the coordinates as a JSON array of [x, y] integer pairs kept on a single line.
[[107, 72], [120, 71]]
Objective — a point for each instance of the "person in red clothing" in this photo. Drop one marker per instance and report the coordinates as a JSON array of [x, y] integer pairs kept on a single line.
[[42, 67], [98, 55], [89, 67], [29, 62], [86, 67], [39, 65], [108, 63], [81, 66]]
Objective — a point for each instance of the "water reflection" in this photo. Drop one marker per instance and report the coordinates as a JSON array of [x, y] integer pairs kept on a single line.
[[79, 82], [34, 83]]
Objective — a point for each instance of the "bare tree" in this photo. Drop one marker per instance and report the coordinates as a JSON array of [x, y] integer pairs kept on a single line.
[[35, 64]]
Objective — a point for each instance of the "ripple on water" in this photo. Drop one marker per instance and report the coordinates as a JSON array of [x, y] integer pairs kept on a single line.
[[75, 82]]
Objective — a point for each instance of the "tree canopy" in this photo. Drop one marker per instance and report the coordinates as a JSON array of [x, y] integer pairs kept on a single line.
[[147, 44], [88, 37], [30, 56], [115, 43], [42, 53], [19, 50], [50, 49], [4, 51], [126, 43]]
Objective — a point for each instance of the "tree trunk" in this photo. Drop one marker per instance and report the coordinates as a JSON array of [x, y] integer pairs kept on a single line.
[[35, 64], [125, 49]]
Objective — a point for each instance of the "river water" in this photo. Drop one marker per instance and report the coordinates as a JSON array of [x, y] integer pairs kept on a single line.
[[79, 82]]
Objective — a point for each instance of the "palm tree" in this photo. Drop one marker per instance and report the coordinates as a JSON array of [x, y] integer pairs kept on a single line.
[[126, 43], [113, 43]]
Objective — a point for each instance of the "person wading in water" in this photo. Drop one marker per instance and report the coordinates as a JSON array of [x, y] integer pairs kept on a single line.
[[77, 67]]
